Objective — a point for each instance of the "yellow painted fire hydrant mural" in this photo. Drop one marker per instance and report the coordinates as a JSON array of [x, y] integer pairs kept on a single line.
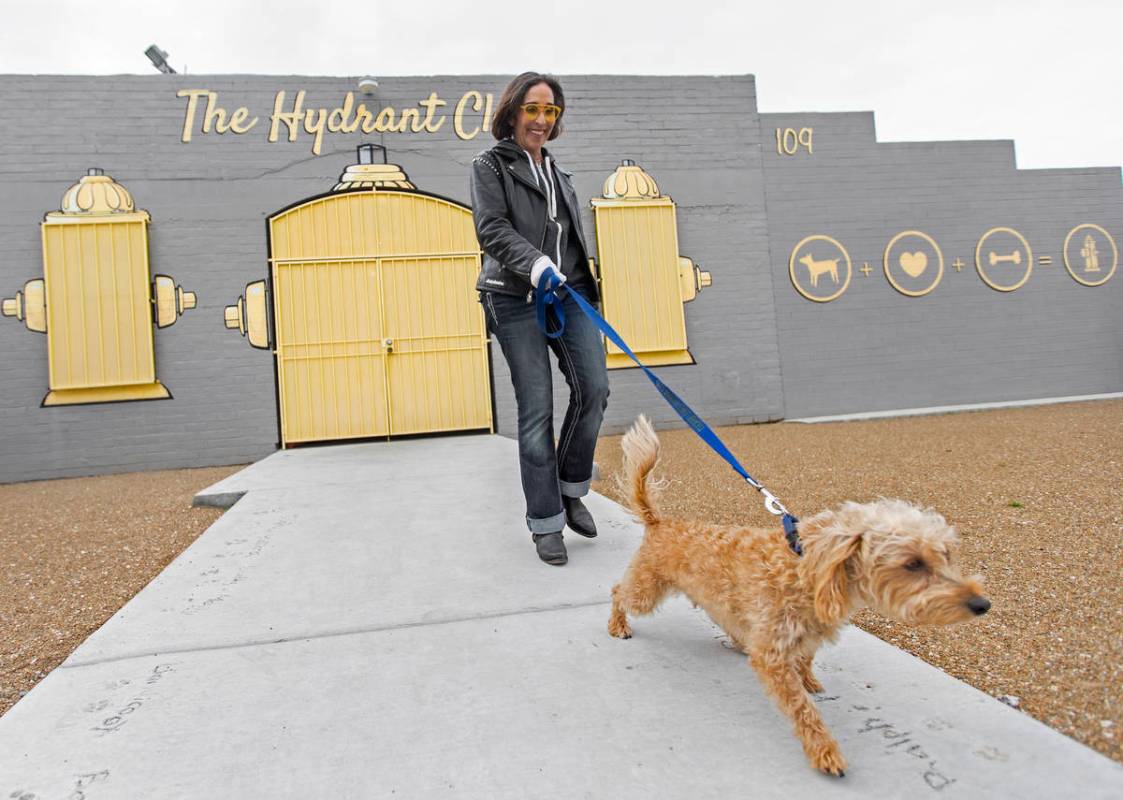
[[96, 301], [644, 280]]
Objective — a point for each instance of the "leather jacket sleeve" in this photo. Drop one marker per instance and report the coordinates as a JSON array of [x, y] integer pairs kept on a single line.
[[497, 236]]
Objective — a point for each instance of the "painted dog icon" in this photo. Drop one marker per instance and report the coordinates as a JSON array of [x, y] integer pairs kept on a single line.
[[817, 268]]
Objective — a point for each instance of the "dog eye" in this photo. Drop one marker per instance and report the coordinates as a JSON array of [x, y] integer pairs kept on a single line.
[[915, 565]]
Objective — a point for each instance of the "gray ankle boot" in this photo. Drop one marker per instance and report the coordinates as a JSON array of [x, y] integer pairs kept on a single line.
[[551, 548], [578, 517]]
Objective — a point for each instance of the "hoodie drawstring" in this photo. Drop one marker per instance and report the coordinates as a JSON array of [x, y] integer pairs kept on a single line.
[[545, 174]]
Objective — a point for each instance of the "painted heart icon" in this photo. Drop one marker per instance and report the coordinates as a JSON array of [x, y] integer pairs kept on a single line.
[[914, 263]]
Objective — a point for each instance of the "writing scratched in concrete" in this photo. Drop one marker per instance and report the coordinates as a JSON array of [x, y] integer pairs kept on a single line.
[[904, 742], [991, 753], [215, 582], [124, 711], [83, 781]]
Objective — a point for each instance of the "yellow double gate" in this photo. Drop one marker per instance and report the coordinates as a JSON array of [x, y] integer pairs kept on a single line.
[[375, 324], [377, 329]]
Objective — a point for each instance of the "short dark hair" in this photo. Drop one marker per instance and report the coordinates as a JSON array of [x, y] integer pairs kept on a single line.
[[503, 122]]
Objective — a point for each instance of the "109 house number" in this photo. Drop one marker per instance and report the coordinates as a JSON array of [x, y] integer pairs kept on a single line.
[[789, 141]]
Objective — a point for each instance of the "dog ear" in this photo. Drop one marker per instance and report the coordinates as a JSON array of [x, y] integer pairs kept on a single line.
[[825, 561]]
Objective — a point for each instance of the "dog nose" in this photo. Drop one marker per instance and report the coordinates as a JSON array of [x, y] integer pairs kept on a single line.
[[978, 605]]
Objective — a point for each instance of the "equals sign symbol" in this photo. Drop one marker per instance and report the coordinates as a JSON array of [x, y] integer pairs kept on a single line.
[[1045, 260]]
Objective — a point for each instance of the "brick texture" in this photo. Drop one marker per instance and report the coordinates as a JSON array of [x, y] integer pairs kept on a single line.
[[874, 348], [209, 200], [763, 351]]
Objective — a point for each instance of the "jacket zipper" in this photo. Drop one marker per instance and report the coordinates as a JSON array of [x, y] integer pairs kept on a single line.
[[545, 226], [548, 220], [552, 191]]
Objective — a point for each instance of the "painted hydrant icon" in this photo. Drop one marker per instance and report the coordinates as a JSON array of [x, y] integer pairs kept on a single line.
[[96, 302], [1090, 254]]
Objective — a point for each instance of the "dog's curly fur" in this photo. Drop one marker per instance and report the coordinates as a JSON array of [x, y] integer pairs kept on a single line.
[[888, 555]]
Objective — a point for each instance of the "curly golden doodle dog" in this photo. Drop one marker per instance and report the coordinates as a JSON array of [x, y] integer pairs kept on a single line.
[[777, 607]]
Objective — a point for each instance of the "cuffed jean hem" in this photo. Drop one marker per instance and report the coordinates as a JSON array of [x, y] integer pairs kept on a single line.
[[579, 489], [546, 524]]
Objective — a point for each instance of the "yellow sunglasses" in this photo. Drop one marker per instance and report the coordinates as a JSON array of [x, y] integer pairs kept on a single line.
[[532, 110]]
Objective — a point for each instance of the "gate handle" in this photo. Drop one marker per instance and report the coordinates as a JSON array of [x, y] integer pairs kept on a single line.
[[389, 344]]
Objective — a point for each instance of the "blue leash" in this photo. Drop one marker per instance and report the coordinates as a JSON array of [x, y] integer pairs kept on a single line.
[[546, 297]]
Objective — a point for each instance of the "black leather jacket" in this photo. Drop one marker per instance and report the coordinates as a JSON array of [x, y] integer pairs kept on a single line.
[[511, 215]]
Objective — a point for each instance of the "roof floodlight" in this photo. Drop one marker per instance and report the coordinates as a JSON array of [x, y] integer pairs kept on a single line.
[[159, 59]]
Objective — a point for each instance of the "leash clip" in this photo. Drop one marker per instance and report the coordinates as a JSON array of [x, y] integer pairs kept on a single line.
[[774, 506]]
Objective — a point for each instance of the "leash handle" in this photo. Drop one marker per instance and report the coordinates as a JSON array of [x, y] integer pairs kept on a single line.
[[546, 297]]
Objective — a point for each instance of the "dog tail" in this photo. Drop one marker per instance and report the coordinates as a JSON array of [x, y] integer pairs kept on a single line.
[[641, 454]]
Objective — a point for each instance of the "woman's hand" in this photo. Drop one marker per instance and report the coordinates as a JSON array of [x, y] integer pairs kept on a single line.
[[540, 267]]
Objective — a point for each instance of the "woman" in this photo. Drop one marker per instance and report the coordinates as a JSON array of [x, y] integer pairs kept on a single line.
[[528, 224]]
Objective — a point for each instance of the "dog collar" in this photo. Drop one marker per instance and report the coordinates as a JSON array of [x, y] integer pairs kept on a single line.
[[791, 533]]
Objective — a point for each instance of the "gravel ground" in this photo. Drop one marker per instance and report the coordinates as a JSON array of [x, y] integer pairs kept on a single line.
[[1035, 492], [74, 551]]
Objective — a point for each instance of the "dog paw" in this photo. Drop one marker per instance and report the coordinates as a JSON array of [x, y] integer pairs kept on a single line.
[[619, 629], [830, 761]]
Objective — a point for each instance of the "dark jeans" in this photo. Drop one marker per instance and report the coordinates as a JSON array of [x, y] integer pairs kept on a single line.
[[550, 471]]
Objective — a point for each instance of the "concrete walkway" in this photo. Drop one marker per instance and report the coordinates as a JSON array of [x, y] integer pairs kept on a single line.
[[371, 621]]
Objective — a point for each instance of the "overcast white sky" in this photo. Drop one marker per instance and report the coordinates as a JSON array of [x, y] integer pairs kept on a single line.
[[1047, 74]]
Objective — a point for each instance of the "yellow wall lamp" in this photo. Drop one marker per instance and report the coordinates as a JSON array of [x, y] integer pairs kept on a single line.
[[95, 301]]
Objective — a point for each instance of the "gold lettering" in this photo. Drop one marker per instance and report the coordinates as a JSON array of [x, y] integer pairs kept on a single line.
[[192, 96], [369, 123], [290, 118], [214, 114], [238, 118], [316, 127], [431, 104], [805, 138], [337, 119], [363, 118], [385, 120], [409, 114], [350, 117], [791, 151], [789, 140], [458, 115]]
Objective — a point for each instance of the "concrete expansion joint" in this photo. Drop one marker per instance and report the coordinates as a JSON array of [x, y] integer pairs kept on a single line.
[[335, 634]]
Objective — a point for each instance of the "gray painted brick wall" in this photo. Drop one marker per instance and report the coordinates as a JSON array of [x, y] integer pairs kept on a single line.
[[763, 351], [209, 199], [876, 349]]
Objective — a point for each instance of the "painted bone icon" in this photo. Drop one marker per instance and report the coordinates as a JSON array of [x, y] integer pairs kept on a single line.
[[1015, 257], [914, 264], [817, 268]]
